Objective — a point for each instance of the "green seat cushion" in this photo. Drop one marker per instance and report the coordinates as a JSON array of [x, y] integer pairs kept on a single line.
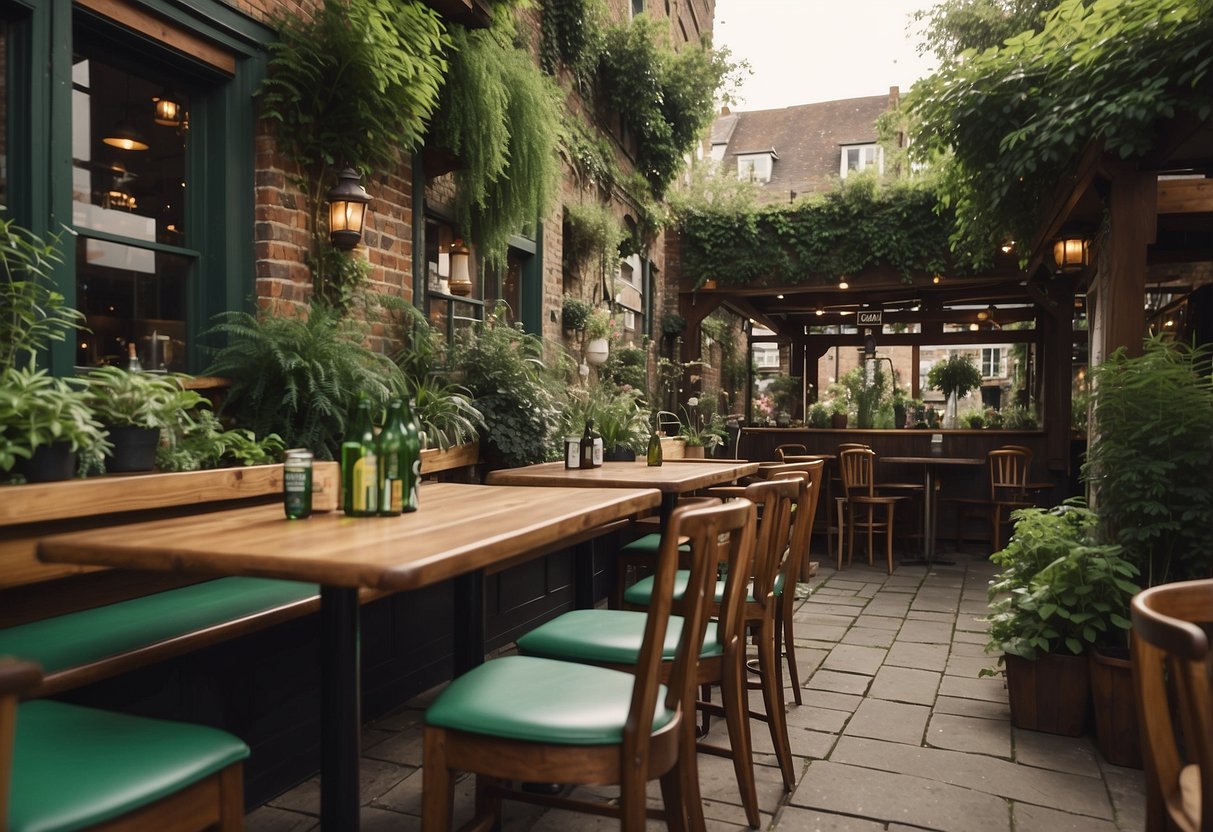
[[75, 767], [79, 638], [606, 637], [638, 594], [541, 700], [650, 545]]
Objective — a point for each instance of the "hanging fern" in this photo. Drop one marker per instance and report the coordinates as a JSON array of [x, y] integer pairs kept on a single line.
[[500, 115], [592, 237]]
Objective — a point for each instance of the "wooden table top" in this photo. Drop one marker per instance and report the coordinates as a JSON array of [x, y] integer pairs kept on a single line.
[[458, 529], [933, 460], [809, 457], [669, 478]]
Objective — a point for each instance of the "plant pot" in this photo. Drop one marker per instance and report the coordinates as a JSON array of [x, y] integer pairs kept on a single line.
[[134, 449], [619, 454], [693, 452], [49, 463], [899, 416], [1050, 694], [1115, 705], [597, 350], [949, 413], [838, 421]]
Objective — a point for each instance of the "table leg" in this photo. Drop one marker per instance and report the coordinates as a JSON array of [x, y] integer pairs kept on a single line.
[[583, 574], [340, 691], [468, 621], [930, 516], [669, 502]]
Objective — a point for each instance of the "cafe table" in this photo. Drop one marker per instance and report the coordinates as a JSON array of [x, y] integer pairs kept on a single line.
[[930, 466], [671, 479], [459, 529]]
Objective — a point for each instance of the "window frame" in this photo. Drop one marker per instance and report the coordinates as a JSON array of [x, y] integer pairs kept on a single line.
[[877, 160]]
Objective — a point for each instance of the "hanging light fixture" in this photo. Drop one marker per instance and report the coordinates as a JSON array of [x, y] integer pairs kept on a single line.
[[167, 110], [1071, 253], [461, 279], [842, 282], [124, 137], [347, 209]]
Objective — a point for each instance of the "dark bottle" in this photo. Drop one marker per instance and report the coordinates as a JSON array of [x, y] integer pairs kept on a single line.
[[359, 468], [655, 456], [399, 460], [587, 445]]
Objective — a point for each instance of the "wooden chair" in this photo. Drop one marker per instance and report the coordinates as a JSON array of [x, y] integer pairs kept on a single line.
[[69, 767], [858, 503], [1008, 469], [1172, 668], [526, 718], [789, 449]]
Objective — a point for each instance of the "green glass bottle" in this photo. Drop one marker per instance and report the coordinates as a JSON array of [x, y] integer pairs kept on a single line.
[[399, 459], [655, 456], [359, 465]]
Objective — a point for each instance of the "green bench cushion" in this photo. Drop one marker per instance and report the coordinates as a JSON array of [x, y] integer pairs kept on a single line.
[[79, 638], [540, 700], [650, 545], [606, 637], [75, 767], [638, 593]]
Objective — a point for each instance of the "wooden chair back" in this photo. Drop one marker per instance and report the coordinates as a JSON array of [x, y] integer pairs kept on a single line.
[[789, 449], [770, 471], [16, 677], [774, 499], [1172, 667], [1008, 473], [855, 468], [804, 512]]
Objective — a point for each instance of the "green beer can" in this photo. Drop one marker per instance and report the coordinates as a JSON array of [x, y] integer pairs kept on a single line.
[[297, 483]]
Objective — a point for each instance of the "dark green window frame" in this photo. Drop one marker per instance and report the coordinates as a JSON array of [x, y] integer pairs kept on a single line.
[[220, 164]]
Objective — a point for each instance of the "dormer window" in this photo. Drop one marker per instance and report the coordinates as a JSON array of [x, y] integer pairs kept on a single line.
[[756, 167], [860, 157]]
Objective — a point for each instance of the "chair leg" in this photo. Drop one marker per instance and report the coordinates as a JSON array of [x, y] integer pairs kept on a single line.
[[632, 808], [437, 786], [789, 646], [996, 522], [772, 698], [674, 800], [231, 798], [871, 531], [888, 534], [733, 693], [840, 510]]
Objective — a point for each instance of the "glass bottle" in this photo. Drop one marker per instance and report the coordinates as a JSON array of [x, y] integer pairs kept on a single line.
[[359, 477], [399, 459], [655, 457], [587, 445], [133, 364]]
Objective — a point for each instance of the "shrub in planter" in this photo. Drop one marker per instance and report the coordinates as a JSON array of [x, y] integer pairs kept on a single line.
[[41, 416], [573, 313], [819, 416], [136, 408], [1058, 594]]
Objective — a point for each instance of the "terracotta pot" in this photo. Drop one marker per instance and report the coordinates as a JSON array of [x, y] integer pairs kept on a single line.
[[693, 452], [1116, 727], [1050, 694]]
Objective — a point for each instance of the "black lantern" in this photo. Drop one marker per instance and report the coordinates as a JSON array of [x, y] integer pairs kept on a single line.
[[347, 209], [1071, 253]]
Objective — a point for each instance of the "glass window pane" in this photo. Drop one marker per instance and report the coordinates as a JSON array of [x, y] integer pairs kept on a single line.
[[4, 150], [131, 294]]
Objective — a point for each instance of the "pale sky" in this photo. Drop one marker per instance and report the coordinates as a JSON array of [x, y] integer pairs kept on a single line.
[[804, 51]]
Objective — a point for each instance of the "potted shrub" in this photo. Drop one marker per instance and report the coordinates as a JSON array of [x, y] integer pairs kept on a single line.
[[954, 376], [573, 313], [838, 412], [819, 416], [702, 431], [45, 423], [899, 407], [598, 326], [1058, 593], [135, 408]]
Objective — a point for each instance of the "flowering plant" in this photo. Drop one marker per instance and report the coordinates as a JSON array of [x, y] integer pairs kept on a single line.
[[701, 429], [599, 324]]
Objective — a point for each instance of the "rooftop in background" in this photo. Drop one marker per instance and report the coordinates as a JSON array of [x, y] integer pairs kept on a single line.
[[803, 149]]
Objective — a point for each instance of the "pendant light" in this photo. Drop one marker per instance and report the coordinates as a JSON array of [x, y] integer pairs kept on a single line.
[[124, 136]]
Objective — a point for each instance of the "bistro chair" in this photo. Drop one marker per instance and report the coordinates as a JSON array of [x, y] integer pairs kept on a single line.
[[1009, 490], [1172, 669], [858, 504], [69, 767], [534, 719], [782, 452]]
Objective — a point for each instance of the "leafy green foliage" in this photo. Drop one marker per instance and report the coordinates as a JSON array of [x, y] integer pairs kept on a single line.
[[665, 98], [1016, 118], [869, 397], [1150, 463], [502, 366], [37, 409], [501, 116], [571, 35], [573, 313], [142, 400], [202, 442], [299, 377], [954, 27], [32, 313], [1057, 590], [620, 416], [626, 367], [815, 240], [955, 374], [592, 235]]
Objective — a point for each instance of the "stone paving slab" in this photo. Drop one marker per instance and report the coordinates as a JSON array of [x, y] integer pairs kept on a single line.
[[891, 721], [991, 689], [899, 798], [793, 817], [1028, 817], [937, 617], [917, 655], [831, 701], [826, 634], [1127, 789], [839, 682], [969, 733], [973, 707], [1082, 795], [1076, 755], [852, 658], [927, 632], [966, 637], [968, 667], [904, 684], [869, 637], [879, 622]]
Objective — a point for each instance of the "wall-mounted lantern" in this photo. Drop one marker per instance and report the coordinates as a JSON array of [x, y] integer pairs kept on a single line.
[[461, 279], [1071, 253], [347, 209], [166, 110]]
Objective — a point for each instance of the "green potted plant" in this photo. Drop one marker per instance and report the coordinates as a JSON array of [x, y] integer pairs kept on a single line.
[[573, 313], [819, 416], [974, 420], [899, 407], [702, 429], [45, 423], [1059, 592], [598, 329], [838, 412], [954, 376], [135, 408]]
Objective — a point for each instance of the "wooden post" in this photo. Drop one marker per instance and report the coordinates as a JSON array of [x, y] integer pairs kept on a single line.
[[1121, 280]]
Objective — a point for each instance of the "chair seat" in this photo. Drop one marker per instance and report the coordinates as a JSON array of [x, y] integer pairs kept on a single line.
[[606, 637], [555, 702], [650, 544], [75, 767], [638, 594]]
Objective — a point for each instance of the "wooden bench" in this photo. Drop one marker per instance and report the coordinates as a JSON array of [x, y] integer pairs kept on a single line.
[[83, 625]]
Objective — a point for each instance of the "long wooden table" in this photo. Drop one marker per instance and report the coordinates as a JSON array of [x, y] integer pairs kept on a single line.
[[459, 530], [672, 479], [929, 510]]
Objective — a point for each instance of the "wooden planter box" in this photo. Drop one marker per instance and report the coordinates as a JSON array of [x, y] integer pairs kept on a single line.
[[1051, 694], [1116, 727]]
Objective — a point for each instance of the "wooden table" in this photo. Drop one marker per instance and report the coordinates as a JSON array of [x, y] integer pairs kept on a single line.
[[929, 512], [670, 479], [459, 530]]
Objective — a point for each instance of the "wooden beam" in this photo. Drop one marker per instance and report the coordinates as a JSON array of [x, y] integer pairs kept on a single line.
[[1185, 196], [1133, 218], [1069, 193], [169, 34], [907, 339]]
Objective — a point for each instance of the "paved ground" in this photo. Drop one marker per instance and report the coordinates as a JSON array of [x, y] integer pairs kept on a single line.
[[897, 732]]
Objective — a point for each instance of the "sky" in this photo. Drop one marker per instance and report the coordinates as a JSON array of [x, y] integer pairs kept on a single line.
[[804, 51]]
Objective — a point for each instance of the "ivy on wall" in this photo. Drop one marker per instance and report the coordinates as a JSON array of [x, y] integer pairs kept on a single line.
[[859, 226]]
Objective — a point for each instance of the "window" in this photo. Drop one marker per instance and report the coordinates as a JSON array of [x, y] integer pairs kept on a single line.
[[992, 362], [756, 167], [766, 356], [860, 157], [637, 7], [447, 312]]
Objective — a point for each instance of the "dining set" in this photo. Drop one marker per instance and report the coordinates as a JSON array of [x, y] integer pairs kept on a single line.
[[720, 569]]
